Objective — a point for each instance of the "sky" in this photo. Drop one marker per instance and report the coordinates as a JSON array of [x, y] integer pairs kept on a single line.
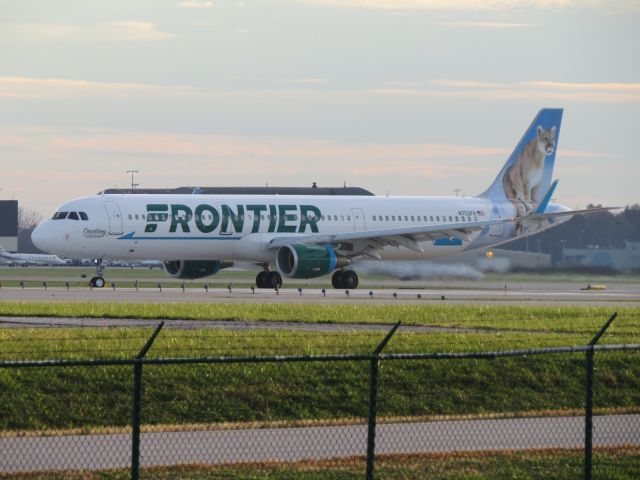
[[402, 97]]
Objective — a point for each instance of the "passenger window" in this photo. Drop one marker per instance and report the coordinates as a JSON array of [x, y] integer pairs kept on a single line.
[[374, 218], [438, 218], [73, 216], [393, 217], [450, 219], [349, 218], [431, 218], [412, 218], [406, 219], [59, 216], [386, 218], [335, 218], [342, 218], [456, 218], [142, 216], [84, 216], [137, 217]]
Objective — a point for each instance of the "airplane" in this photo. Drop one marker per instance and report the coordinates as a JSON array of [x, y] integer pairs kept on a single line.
[[26, 259], [307, 236]]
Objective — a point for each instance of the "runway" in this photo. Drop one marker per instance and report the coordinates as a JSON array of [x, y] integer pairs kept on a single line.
[[624, 294], [213, 447]]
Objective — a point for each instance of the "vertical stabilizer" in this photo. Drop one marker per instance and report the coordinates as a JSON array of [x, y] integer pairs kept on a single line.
[[526, 177]]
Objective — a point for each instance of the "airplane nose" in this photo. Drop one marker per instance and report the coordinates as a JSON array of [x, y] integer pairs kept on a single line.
[[40, 238]]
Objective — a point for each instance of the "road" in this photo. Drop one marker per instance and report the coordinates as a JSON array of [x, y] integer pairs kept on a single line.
[[514, 294], [213, 447]]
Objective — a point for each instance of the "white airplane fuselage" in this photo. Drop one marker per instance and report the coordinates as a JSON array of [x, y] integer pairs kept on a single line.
[[240, 227]]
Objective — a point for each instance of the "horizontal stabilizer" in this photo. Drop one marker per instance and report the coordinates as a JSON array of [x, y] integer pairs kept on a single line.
[[587, 211]]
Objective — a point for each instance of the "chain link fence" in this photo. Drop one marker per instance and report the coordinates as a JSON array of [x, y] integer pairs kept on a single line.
[[562, 412]]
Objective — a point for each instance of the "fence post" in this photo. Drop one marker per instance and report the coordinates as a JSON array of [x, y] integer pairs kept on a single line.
[[588, 414], [373, 402], [137, 402]]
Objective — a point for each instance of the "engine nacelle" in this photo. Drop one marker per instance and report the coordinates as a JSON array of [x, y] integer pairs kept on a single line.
[[308, 261], [192, 269]]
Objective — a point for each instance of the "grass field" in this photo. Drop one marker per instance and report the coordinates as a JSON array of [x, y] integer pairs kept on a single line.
[[609, 464], [580, 321], [57, 398]]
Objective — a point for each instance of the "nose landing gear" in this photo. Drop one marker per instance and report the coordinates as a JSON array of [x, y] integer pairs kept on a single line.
[[98, 280]]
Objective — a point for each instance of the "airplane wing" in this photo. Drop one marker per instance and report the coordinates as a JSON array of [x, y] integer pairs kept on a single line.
[[370, 240]]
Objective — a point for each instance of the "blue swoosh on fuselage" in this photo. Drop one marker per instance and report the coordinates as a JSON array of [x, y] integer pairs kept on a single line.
[[131, 236]]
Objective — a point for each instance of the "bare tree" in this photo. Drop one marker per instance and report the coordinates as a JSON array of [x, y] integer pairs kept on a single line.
[[27, 221]]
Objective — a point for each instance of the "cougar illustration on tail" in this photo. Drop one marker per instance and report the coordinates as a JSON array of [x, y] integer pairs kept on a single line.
[[522, 179]]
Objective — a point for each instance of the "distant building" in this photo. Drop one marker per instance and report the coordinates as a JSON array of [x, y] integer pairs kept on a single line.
[[623, 259], [9, 225]]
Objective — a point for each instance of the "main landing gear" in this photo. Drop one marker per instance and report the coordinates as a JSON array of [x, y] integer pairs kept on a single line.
[[341, 279], [347, 279], [267, 279], [98, 280]]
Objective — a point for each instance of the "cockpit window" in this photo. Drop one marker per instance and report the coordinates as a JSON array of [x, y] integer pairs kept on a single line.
[[73, 216], [59, 216], [84, 216]]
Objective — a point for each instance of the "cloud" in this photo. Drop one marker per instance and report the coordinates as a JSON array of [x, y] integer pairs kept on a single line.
[[192, 4], [116, 31], [28, 87], [474, 4], [293, 89], [495, 25], [267, 148], [563, 91], [135, 30]]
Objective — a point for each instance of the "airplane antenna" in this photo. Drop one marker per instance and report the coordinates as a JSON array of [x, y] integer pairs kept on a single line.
[[133, 172]]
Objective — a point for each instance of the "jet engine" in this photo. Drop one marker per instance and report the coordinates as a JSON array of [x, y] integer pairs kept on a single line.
[[192, 269], [308, 261]]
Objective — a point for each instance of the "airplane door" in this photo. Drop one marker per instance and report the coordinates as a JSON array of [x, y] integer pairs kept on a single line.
[[359, 224], [115, 218]]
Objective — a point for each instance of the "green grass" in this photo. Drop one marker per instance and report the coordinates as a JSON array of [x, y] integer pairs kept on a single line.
[[87, 397], [610, 464], [568, 319]]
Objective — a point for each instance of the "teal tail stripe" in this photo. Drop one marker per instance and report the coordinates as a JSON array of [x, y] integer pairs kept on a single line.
[[545, 201]]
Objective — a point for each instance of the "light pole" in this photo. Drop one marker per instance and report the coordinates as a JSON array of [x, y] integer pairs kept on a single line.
[[133, 172]]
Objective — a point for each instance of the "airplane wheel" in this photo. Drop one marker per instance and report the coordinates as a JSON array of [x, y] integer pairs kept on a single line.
[[336, 279], [274, 280], [97, 282], [261, 279], [350, 280]]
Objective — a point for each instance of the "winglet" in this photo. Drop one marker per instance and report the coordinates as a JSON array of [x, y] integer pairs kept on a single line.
[[545, 200]]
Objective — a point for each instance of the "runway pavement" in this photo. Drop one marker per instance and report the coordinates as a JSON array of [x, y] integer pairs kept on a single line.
[[213, 447], [465, 293]]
